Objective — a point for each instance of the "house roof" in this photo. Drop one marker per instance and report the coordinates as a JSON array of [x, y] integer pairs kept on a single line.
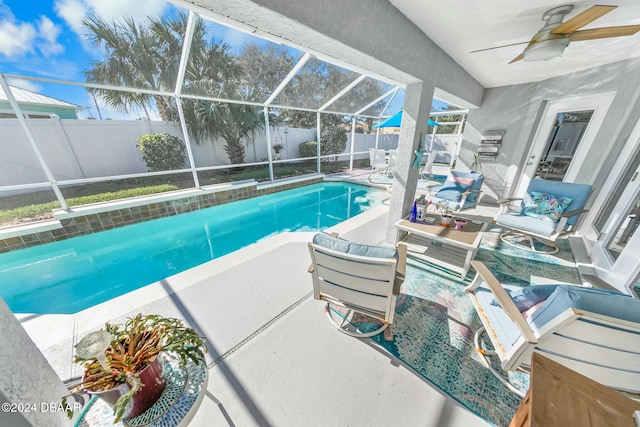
[[24, 96]]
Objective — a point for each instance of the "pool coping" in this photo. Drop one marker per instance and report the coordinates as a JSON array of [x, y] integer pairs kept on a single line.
[[94, 218]]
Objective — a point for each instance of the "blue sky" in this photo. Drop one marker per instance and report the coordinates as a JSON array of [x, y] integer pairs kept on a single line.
[[45, 38]]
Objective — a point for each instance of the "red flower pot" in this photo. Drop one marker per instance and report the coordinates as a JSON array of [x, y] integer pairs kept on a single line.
[[154, 384]]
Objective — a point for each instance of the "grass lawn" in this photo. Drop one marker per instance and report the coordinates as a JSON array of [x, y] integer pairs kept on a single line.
[[39, 205]]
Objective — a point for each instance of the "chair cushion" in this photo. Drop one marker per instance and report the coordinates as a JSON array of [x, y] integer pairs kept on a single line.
[[462, 180], [600, 301], [545, 206], [578, 192], [452, 191], [337, 244], [527, 224], [526, 297], [476, 182]]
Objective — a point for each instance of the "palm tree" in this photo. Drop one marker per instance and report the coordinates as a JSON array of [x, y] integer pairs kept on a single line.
[[147, 56], [142, 56], [233, 122]]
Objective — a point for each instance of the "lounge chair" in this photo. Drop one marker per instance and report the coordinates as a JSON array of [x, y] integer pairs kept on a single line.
[[377, 159], [548, 211], [462, 190], [592, 331], [361, 278], [382, 166]]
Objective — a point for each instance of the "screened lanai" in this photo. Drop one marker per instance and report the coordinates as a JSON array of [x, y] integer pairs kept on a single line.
[[235, 106]]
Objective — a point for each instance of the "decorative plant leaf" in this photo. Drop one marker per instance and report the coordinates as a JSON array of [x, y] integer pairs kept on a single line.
[[134, 345]]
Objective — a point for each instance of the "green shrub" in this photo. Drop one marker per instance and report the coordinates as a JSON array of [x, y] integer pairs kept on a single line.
[[333, 140], [161, 151], [308, 149]]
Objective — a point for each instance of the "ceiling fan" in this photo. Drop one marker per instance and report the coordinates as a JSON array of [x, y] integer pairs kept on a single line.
[[552, 39]]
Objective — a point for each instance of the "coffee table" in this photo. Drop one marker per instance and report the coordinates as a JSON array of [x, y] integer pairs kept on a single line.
[[444, 246]]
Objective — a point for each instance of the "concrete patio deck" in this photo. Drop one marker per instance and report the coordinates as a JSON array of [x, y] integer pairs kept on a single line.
[[274, 359]]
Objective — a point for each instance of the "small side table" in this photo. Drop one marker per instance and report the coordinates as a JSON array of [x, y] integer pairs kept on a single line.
[[186, 387], [443, 246]]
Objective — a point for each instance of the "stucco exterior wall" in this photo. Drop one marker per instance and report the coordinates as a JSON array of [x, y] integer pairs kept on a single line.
[[517, 110], [26, 377]]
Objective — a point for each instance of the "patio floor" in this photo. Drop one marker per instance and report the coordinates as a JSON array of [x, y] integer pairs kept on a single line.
[[300, 371], [274, 358]]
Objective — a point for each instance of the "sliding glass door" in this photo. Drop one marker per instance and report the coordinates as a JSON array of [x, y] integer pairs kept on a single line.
[[616, 252]]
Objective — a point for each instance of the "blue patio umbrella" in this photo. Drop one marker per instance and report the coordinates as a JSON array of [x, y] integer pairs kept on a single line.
[[394, 122]]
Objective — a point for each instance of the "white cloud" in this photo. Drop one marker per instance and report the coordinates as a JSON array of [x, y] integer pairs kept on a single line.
[[117, 9], [16, 38], [74, 11], [48, 33], [25, 84]]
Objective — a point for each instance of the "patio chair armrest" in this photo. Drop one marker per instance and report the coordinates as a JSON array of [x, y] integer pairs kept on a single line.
[[401, 267], [505, 301], [505, 204], [402, 258], [508, 200], [569, 214], [397, 283]]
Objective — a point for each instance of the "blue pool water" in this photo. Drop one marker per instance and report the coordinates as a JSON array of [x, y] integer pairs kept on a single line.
[[74, 274]]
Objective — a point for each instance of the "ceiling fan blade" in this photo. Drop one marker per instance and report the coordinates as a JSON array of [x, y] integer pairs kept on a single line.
[[498, 47], [602, 33], [517, 58], [582, 19]]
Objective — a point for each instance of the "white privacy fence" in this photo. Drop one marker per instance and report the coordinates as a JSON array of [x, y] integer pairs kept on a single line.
[[73, 149], [81, 149], [85, 149], [447, 146]]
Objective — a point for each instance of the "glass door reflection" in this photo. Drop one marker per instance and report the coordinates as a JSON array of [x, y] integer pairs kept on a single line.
[[564, 138]]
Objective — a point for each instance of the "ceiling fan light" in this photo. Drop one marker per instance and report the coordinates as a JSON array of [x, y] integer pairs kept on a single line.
[[546, 50]]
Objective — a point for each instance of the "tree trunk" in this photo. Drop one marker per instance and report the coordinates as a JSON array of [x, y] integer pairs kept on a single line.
[[165, 109], [235, 151]]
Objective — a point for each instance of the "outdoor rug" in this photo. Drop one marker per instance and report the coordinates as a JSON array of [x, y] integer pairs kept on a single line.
[[435, 324]]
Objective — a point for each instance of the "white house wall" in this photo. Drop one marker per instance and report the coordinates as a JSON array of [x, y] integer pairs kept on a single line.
[[517, 110]]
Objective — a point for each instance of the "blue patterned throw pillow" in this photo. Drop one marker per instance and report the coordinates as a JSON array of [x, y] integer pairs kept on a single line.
[[545, 206]]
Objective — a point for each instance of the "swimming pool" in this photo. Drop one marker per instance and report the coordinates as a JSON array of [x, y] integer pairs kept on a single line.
[[74, 274]]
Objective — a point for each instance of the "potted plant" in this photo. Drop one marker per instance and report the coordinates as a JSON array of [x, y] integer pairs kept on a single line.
[[123, 363], [277, 148]]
